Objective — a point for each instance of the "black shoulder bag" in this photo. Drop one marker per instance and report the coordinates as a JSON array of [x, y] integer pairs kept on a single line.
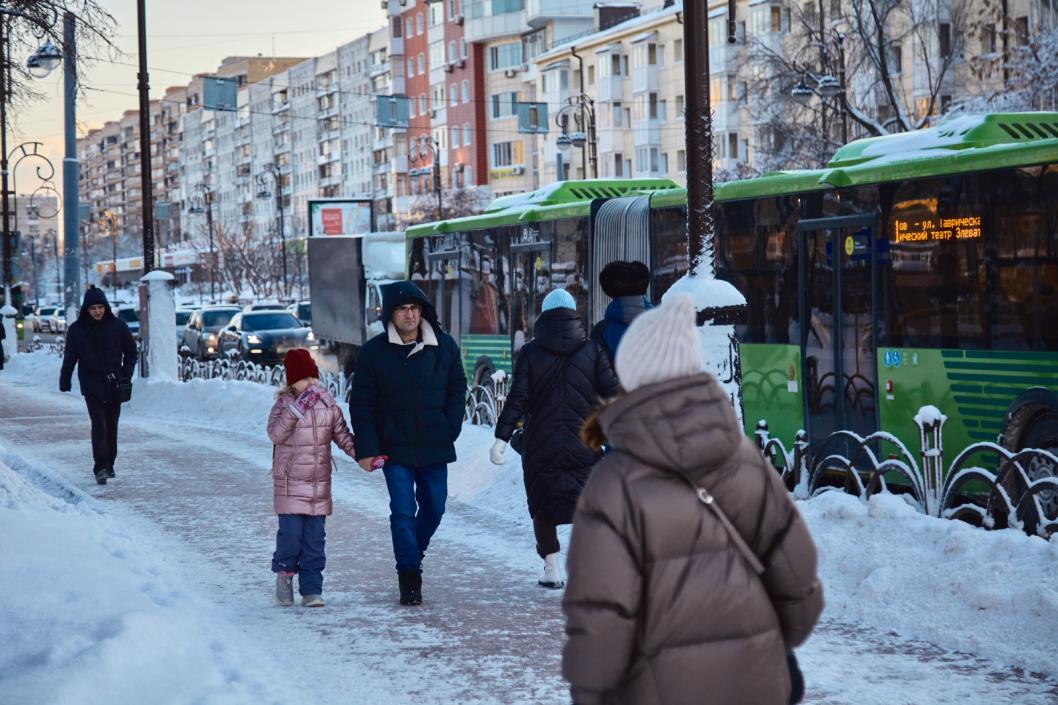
[[122, 388], [797, 680]]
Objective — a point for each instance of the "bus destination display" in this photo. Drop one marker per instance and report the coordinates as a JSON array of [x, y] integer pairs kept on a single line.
[[937, 229]]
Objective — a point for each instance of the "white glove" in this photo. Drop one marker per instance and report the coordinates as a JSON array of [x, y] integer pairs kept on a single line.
[[496, 452]]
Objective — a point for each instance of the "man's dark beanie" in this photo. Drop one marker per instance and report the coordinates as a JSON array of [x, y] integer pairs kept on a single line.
[[624, 279]]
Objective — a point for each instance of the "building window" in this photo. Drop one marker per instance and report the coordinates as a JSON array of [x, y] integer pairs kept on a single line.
[[422, 104], [681, 160], [409, 28], [505, 56], [436, 14], [466, 134], [453, 94], [618, 113], [503, 104], [422, 63], [418, 23], [944, 37], [452, 56], [455, 137], [679, 107], [677, 51], [466, 91], [502, 154], [462, 48], [591, 75]]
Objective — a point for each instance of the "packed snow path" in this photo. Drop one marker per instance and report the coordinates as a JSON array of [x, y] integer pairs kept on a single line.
[[485, 634]]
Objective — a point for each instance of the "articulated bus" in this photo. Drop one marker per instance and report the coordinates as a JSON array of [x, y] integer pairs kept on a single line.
[[918, 268]]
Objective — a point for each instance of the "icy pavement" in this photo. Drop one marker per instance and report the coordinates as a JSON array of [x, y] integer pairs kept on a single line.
[[197, 498]]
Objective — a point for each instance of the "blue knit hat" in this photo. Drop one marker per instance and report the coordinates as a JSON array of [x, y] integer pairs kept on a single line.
[[558, 298]]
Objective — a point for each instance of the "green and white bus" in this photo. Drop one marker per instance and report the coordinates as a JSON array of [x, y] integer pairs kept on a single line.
[[919, 268]]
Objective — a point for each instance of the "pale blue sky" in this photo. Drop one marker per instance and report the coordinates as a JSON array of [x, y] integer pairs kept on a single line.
[[187, 37]]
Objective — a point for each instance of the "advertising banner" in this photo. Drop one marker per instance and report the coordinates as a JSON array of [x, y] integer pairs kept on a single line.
[[345, 216]]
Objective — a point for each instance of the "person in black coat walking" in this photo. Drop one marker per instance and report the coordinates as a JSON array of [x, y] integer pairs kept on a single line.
[[100, 345], [406, 406], [560, 377], [3, 335]]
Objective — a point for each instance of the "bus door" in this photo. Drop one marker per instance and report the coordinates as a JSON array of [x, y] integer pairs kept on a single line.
[[837, 331], [530, 283], [443, 281]]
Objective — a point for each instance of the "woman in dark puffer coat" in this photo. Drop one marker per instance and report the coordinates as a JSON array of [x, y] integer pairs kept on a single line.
[[662, 606], [560, 376]]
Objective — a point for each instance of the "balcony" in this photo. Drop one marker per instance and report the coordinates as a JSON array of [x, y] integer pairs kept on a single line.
[[481, 29], [645, 79], [280, 127], [538, 12], [646, 133], [400, 164], [610, 88], [280, 107], [396, 46], [378, 69], [332, 156]]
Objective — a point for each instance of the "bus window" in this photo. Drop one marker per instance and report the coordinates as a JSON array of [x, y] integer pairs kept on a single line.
[[1025, 271], [570, 258], [934, 279], [435, 267], [531, 280], [668, 249], [486, 279], [757, 253]]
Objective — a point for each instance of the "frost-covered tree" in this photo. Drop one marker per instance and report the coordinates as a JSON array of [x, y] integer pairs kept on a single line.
[[896, 58], [1025, 75]]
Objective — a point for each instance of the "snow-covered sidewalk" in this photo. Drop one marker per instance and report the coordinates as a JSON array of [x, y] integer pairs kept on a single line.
[[156, 587]]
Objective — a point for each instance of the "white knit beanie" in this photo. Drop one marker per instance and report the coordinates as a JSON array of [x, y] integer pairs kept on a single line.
[[661, 344]]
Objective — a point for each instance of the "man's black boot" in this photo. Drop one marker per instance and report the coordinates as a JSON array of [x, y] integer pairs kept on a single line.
[[110, 473], [410, 585], [101, 476]]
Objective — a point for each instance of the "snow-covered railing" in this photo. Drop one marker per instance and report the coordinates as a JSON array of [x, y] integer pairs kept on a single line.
[[484, 402], [1021, 493], [245, 371]]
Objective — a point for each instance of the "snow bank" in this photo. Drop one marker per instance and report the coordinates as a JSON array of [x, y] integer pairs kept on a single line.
[[122, 625], [990, 593]]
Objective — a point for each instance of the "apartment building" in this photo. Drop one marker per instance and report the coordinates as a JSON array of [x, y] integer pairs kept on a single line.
[[511, 35]]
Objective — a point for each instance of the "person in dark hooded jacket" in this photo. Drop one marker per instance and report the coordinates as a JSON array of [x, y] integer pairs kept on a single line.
[[626, 283], [406, 406], [560, 377], [100, 345]]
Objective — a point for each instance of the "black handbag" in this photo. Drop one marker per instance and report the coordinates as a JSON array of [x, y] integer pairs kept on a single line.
[[517, 439], [122, 388]]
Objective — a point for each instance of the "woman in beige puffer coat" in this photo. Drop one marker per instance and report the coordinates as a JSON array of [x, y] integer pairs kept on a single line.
[[304, 420], [661, 607]]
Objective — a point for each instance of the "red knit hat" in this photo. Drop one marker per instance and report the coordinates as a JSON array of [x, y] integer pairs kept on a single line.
[[299, 365]]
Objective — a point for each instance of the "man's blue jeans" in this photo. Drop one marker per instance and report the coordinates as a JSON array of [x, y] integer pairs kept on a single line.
[[300, 549], [416, 503]]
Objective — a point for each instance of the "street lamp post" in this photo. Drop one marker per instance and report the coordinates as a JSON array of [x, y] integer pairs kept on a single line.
[[582, 108], [273, 169], [40, 64], [826, 86], [207, 199], [112, 231]]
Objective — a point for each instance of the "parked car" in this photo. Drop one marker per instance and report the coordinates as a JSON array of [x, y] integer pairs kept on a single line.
[[183, 315], [132, 317], [302, 311], [265, 306], [57, 320], [38, 320], [201, 333], [265, 337]]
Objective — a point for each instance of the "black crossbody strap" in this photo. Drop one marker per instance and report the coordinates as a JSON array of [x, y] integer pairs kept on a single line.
[[710, 502]]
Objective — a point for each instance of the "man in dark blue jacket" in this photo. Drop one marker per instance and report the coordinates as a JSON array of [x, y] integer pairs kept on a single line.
[[101, 346], [406, 407], [626, 283]]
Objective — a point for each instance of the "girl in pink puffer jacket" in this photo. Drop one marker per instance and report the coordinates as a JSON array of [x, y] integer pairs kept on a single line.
[[304, 420]]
